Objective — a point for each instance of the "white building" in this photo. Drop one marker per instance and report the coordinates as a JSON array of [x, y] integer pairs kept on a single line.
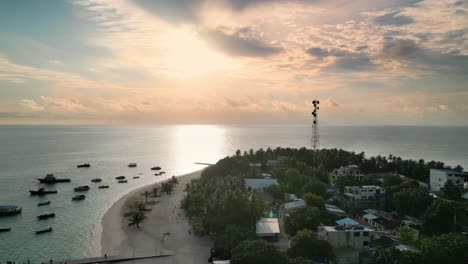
[[368, 196], [347, 171], [439, 177], [267, 227], [357, 238]]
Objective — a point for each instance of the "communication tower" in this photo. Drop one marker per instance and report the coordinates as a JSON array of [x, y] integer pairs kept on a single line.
[[315, 126]]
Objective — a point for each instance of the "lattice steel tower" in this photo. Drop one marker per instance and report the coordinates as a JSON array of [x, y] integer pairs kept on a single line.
[[315, 126]]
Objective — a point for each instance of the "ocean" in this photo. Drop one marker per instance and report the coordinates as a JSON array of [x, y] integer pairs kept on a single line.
[[29, 152]]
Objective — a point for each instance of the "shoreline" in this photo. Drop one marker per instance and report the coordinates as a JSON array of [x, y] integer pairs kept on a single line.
[[165, 217]]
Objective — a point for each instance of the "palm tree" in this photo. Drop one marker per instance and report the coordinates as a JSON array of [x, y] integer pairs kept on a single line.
[[137, 218], [155, 191], [174, 181], [146, 194], [137, 206]]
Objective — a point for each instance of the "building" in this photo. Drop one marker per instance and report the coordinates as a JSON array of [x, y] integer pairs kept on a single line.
[[439, 177], [335, 210], [370, 196], [294, 204], [267, 228], [346, 171], [348, 243], [259, 184]]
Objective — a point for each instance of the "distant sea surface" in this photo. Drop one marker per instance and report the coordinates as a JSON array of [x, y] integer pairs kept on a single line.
[[29, 152]]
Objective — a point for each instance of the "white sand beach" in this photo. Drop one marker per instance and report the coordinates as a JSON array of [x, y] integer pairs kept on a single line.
[[165, 217]]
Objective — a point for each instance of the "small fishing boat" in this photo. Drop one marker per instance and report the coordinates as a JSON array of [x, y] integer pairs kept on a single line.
[[5, 229], [50, 179], [103, 187], [42, 191], [96, 180], [156, 168], [7, 210], [136, 177], [44, 231], [120, 177], [162, 172], [157, 174], [132, 165], [43, 203], [83, 188], [84, 165], [122, 181], [78, 197], [45, 216]]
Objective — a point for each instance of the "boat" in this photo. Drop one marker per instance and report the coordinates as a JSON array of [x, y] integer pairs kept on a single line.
[[42, 191], [162, 172], [122, 181], [43, 203], [50, 179], [132, 165], [78, 197], [81, 188], [5, 229], [157, 174], [136, 177], [44, 231], [96, 180], [7, 210], [45, 216], [103, 187], [84, 165], [120, 177], [156, 168]]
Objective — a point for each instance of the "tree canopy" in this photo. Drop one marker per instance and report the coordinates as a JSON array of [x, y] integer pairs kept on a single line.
[[257, 252], [307, 245]]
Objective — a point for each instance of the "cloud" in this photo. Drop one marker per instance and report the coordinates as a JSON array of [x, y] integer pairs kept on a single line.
[[31, 105], [239, 44], [394, 19], [330, 103], [342, 59], [55, 62], [399, 48]]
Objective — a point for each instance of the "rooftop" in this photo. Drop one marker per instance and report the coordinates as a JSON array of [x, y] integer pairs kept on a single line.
[[259, 183], [267, 226], [294, 204], [450, 171]]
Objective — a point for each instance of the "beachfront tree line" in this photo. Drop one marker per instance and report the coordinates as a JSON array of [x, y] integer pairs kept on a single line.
[[217, 203], [136, 208]]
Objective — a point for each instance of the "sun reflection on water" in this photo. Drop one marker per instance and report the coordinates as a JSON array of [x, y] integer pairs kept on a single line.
[[197, 143]]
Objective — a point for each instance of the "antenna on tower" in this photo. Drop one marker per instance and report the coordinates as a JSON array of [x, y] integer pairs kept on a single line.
[[315, 126]]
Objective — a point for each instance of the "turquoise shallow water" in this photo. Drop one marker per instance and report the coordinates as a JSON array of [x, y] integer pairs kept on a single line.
[[27, 152]]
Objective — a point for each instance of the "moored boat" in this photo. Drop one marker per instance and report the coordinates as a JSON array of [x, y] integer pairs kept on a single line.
[[83, 188], [7, 210], [84, 165], [5, 229], [156, 168], [157, 174], [96, 180], [45, 216], [136, 177], [103, 187], [50, 179], [42, 191], [120, 177], [43, 203], [132, 165], [44, 231], [122, 181], [162, 172], [78, 197]]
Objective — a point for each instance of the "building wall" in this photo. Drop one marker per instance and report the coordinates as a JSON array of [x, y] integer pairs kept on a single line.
[[355, 239], [439, 178]]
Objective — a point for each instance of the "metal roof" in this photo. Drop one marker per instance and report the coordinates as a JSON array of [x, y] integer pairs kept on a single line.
[[347, 221], [267, 226], [259, 183]]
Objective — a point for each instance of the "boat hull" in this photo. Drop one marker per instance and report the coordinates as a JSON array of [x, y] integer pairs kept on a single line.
[[43, 231]]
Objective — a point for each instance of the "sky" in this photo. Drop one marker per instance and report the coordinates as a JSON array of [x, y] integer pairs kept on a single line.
[[399, 62]]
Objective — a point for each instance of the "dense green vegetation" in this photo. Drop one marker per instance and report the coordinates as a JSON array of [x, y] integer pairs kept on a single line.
[[447, 248], [257, 252], [219, 205]]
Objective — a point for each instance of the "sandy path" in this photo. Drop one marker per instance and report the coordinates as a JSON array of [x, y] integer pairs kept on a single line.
[[165, 217]]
